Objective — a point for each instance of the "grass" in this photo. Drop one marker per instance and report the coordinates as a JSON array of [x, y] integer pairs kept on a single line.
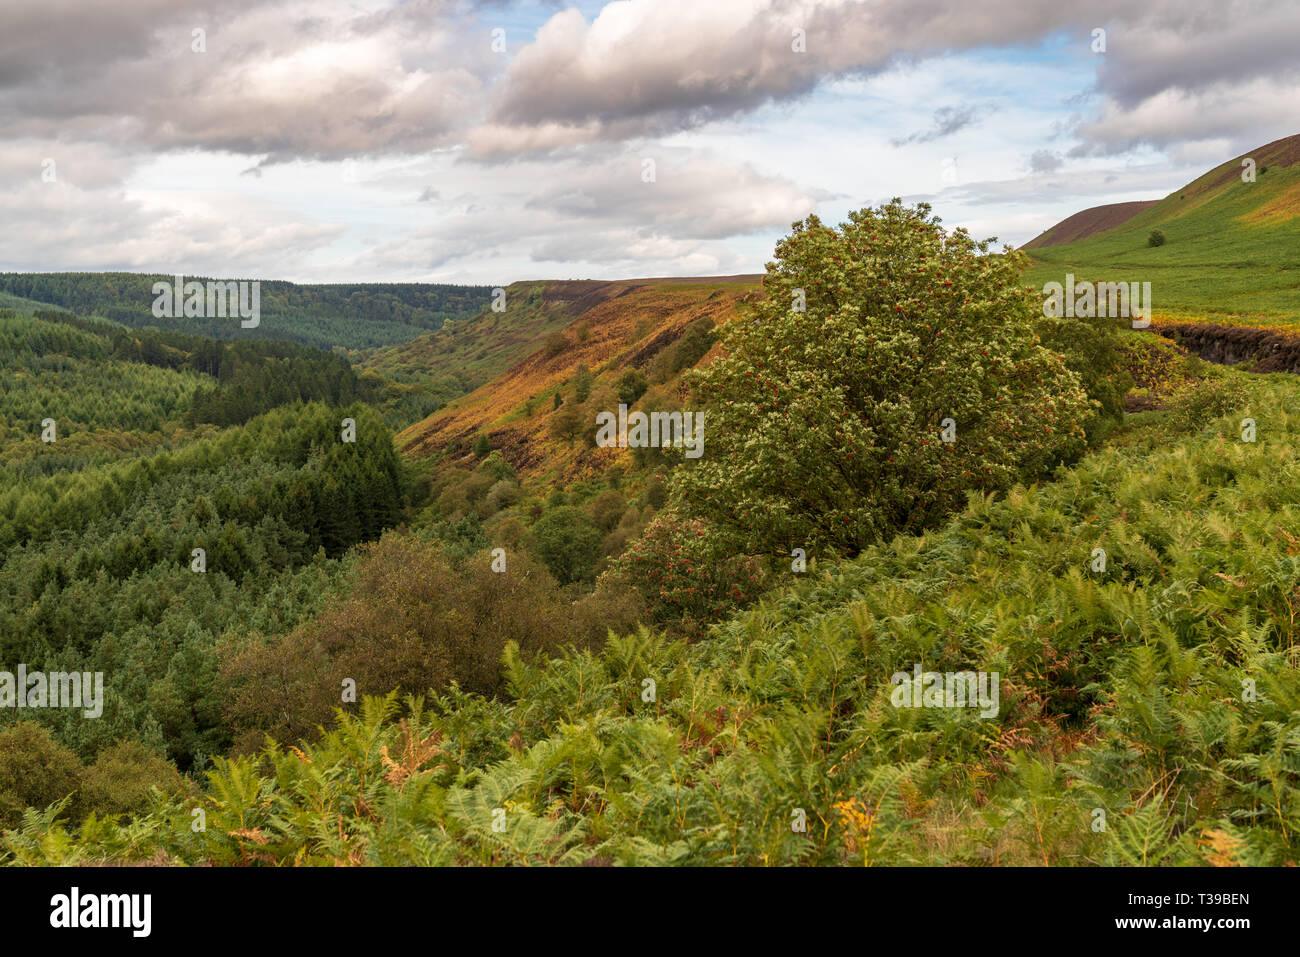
[[1231, 252]]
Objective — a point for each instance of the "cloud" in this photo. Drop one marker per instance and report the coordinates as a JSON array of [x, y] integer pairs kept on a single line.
[[534, 156], [291, 79], [1233, 118], [1081, 187], [947, 120], [280, 78], [652, 67], [597, 209], [87, 217], [1180, 73], [1045, 161]]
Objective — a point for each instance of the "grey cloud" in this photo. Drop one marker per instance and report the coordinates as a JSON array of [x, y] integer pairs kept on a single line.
[[596, 208], [1045, 161], [1198, 71], [649, 67], [652, 67], [1196, 46], [280, 78], [947, 120], [286, 79]]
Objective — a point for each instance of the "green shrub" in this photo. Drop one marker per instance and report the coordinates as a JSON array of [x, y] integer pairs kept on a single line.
[[414, 621], [607, 508], [556, 343], [1091, 348], [1204, 401], [1156, 238], [631, 386], [656, 491], [566, 423], [582, 382], [120, 780], [568, 541], [685, 577], [496, 466], [503, 494], [35, 771]]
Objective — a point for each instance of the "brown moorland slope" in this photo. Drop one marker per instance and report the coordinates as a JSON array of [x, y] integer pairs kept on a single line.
[[616, 326], [1280, 153], [1087, 222]]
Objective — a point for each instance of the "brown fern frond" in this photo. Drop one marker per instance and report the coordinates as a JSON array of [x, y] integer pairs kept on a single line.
[[416, 752]]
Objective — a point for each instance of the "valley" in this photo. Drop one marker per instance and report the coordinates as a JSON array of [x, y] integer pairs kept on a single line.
[[445, 575]]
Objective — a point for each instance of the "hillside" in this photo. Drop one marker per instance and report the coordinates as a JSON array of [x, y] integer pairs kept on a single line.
[[607, 669], [1081, 225], [122, 452], [324, 316], [103, 400], [610, 327], [464, 354], [1231, 251]]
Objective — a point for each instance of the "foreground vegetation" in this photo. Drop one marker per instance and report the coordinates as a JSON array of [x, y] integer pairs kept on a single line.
[[1127, 700]]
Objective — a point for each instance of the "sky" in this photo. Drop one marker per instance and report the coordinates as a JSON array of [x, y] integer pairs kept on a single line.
[[428, 141]]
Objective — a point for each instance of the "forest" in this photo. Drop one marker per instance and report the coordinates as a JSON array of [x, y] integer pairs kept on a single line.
[[325, 316]]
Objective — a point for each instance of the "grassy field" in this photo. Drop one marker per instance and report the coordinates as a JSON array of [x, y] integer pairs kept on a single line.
[[1231, 251]]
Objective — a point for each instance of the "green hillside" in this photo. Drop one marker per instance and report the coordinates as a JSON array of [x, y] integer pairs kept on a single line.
[[121, 452], [102, 402], [1231, 250], [464, 354], [324, 316], [12, 303]]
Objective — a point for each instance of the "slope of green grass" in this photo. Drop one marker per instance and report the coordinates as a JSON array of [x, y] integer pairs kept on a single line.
[[1232, 249]]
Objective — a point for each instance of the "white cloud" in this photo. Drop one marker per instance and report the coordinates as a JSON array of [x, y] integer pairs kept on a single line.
[[468, 163]]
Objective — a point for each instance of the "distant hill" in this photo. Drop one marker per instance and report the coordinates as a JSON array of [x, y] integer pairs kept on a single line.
[[27, 307], [1232, 248], [325, 316], [547, 331], [1084, 224]]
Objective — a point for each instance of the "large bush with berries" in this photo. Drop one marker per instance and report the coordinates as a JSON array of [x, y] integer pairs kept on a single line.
[[826, 414], [684, 575]]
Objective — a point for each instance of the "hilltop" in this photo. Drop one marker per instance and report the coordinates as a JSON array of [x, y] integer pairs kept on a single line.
[[1087, 223], [1231, 250]]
